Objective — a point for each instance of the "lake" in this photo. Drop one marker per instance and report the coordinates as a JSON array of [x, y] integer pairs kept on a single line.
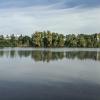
[[49, 74]]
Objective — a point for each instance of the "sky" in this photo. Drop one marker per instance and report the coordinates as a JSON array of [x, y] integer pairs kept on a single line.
[[62, 16]]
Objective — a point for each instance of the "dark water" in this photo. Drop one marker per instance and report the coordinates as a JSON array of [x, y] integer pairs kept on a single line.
[[49, 74]]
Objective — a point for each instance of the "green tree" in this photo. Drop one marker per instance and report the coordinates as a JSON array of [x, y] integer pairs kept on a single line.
[[81, 41], [54, 39], [36, 38], [49, 39], [61, 40]]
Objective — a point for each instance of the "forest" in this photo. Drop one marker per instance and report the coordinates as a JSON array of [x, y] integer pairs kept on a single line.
[[47, 39]]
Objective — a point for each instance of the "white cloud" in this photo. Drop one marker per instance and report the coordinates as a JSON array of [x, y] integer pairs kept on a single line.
[[38, 18]]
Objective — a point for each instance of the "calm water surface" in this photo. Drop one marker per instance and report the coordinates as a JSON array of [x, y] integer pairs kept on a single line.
[[49, 74]]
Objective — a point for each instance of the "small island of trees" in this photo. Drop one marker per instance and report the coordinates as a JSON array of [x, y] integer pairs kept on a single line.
[[49, 39]]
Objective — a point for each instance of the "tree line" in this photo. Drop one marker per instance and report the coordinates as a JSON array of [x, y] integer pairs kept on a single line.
[[49, 39]]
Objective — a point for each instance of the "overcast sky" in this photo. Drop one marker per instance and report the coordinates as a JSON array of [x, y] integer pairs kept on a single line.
[[63, 16]]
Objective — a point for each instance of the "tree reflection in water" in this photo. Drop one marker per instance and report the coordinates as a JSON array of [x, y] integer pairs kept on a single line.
[[49, 55]]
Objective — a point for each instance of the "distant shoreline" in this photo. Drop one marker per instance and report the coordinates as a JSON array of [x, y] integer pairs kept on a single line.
[[49, 39], [50, 49]]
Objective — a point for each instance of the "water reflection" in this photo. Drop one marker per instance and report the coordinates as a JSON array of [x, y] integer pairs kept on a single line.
[[21, 78], [49, 55]]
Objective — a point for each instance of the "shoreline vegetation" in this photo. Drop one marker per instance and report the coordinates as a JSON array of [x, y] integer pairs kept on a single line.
[[47, 39]]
